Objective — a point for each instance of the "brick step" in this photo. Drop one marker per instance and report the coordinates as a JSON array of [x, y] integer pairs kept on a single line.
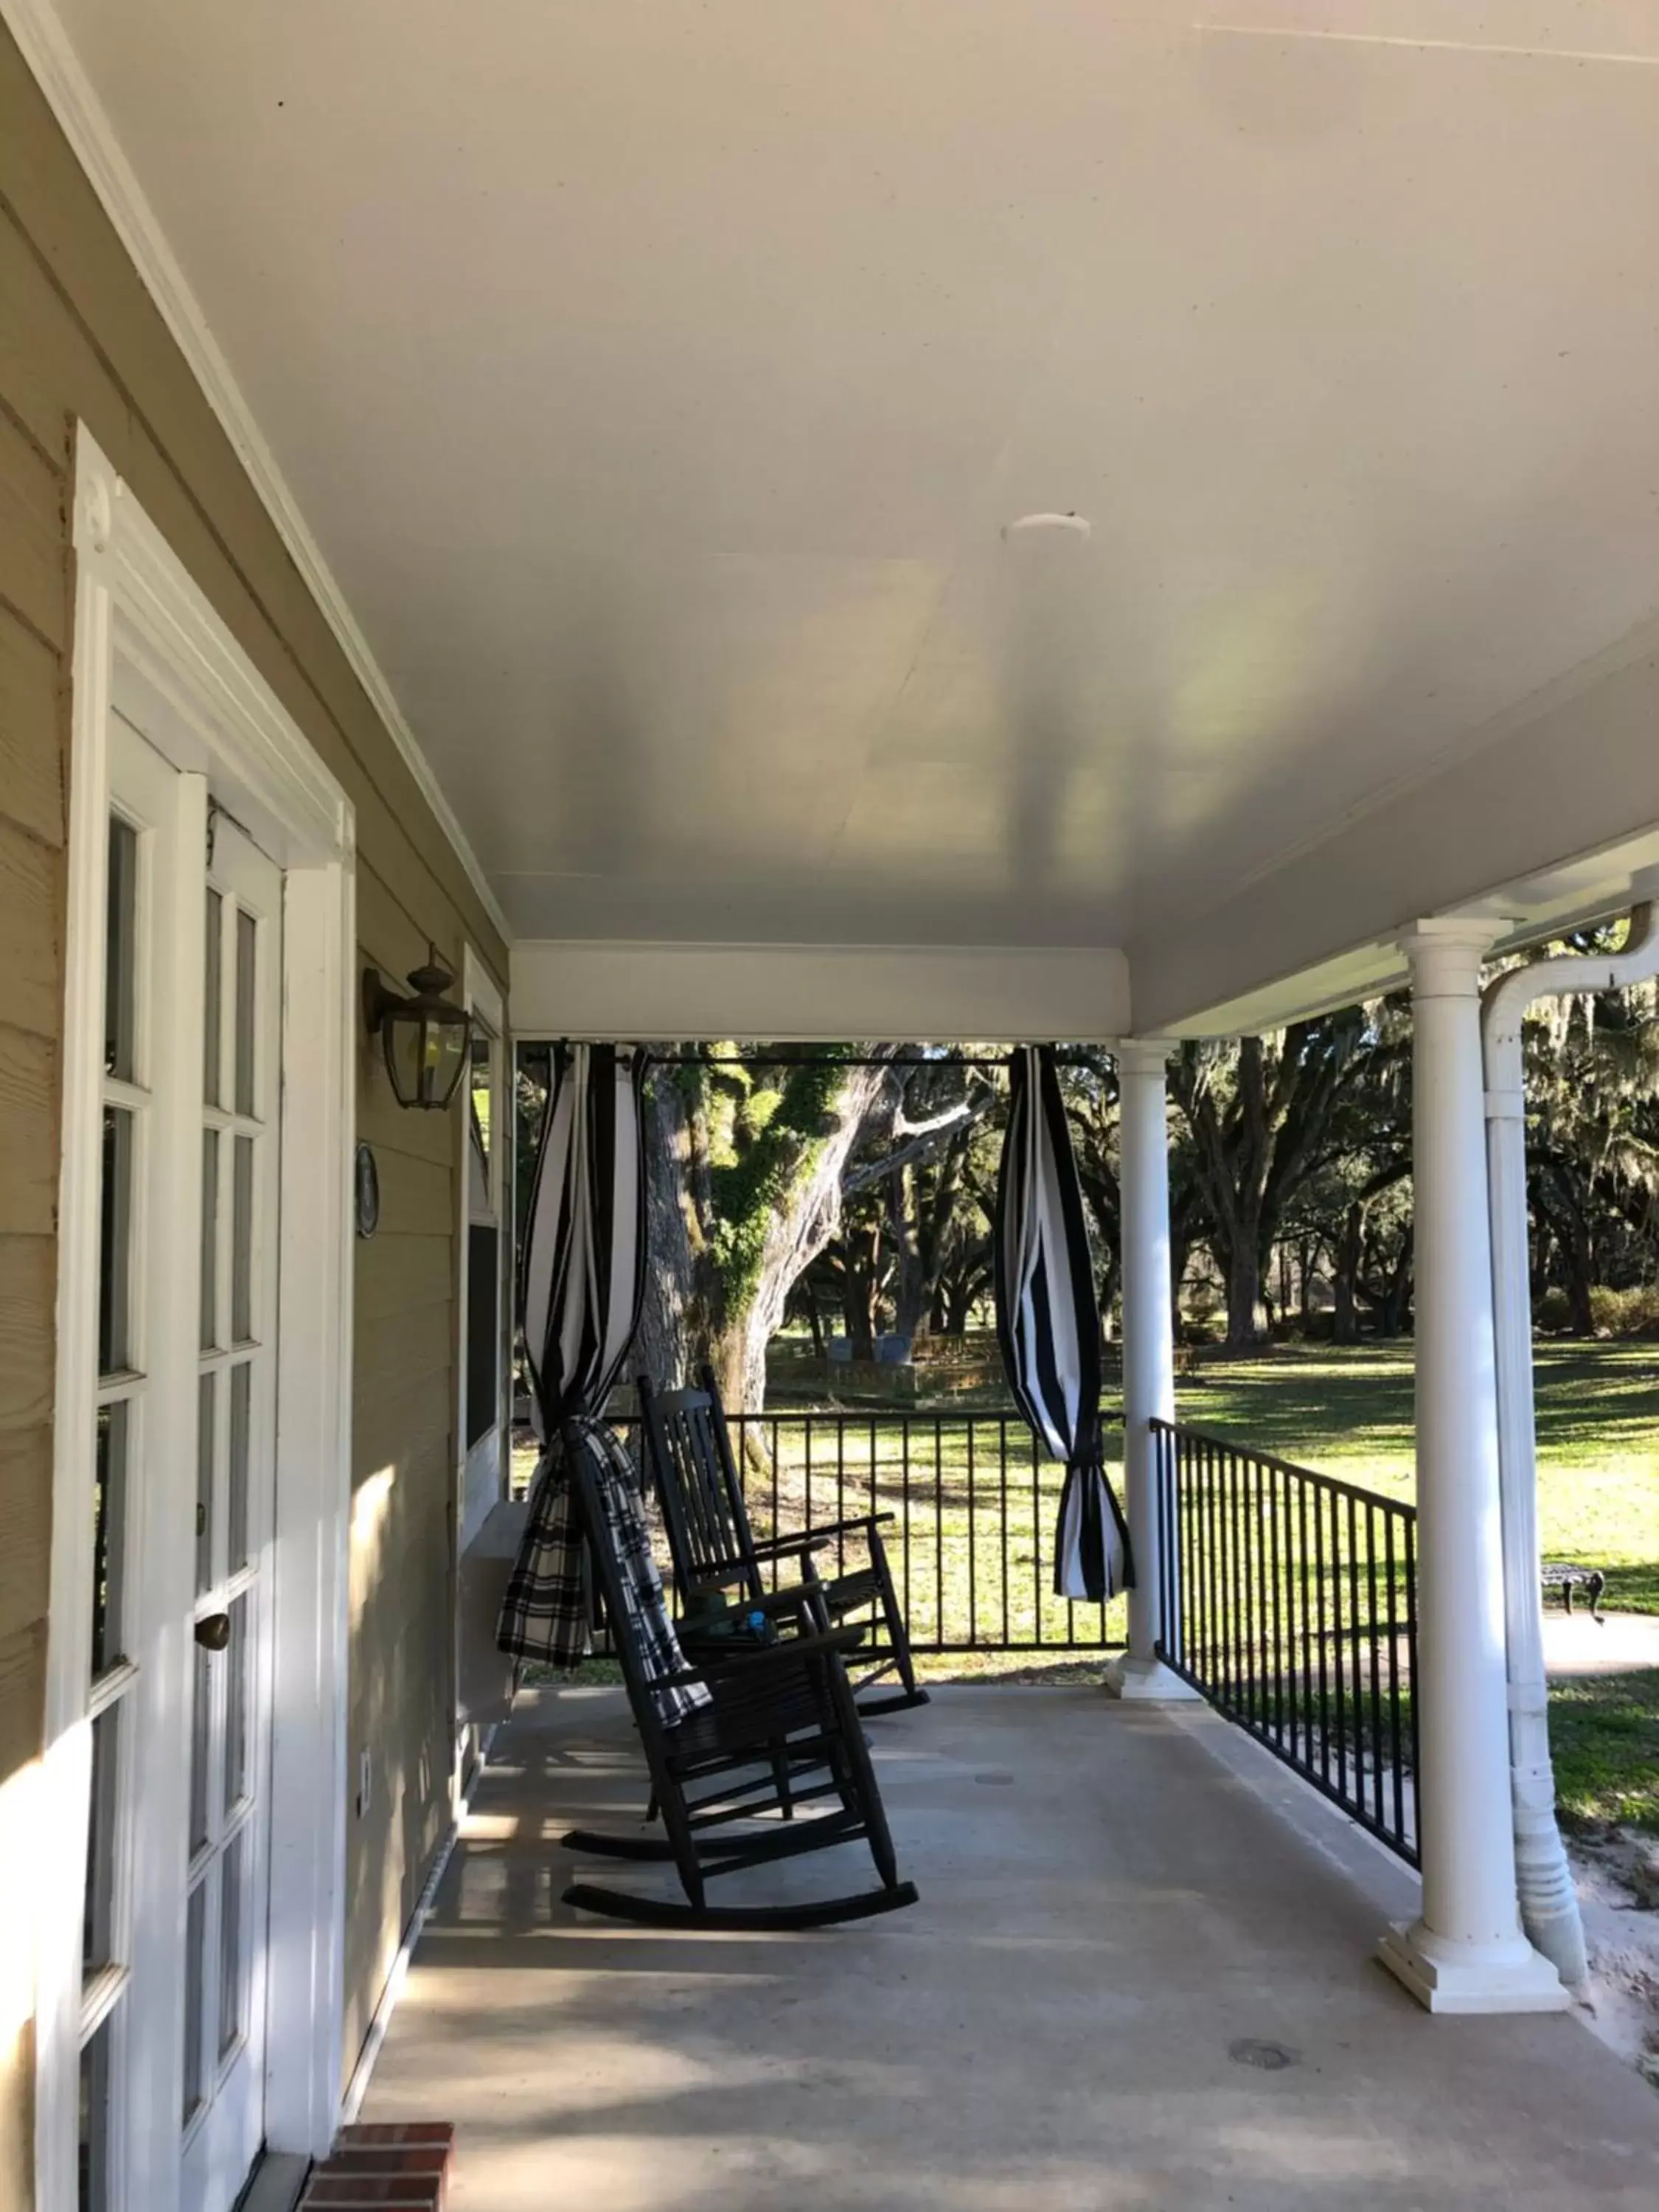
[[397, 2166]]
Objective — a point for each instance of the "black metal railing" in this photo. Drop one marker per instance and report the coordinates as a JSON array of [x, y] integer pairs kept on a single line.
[[1289, 1600], [975, 1503]]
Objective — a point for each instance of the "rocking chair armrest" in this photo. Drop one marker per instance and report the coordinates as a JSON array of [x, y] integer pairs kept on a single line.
[[762, 1656], [726, 1577], [781, 1547], [826, 1531]]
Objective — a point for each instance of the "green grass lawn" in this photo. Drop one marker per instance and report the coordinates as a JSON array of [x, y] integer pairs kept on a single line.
[[1349, 1413], [1604, 1734]]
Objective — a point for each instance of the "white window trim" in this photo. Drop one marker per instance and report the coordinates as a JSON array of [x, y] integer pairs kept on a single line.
[[480, 995], [137, 606]]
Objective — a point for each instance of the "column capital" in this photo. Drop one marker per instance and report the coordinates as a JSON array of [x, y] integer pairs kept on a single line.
[[1446, 953], [1143, 1055]]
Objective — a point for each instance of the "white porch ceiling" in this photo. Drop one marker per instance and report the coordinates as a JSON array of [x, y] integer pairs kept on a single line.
[[656, 379]]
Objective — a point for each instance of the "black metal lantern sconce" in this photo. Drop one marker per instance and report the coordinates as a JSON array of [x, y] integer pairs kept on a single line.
[[426, 1038]]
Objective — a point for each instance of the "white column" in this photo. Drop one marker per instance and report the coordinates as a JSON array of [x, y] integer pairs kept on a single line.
[[1148, 1351], [1466, 1953]]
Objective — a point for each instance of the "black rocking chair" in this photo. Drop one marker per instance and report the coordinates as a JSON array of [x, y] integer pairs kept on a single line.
[[759, 1732], [688, 1452]]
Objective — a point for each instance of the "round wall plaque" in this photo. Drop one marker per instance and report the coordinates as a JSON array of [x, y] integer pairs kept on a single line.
[[368, 1192]]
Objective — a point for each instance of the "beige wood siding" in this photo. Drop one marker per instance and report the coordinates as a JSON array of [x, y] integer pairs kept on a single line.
[[80, 337]]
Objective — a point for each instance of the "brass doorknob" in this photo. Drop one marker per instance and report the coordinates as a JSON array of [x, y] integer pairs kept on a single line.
[[213, 1631]]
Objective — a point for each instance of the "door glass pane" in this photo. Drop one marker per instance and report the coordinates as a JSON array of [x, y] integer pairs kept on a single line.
[[115, 1248], [210, 1239], [206, 1397], [236, 1691], [483, 1050], [201, 1719], [94, 2194], [98, 1919], [120, 932], [211, 1075], [245, 942], [241, 1383], [241, 1243], [195, 1969], [109, 1536], [230, 1943], [485, 1356]]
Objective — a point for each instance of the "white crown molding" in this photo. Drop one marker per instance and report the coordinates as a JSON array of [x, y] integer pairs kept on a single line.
[[46, 48]]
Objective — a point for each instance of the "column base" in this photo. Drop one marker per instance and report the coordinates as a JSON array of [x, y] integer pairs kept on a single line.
[[1147, 1682], [1449, 1977]]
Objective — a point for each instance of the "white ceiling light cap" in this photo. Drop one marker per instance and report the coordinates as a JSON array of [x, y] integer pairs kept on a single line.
[[1047, 526]]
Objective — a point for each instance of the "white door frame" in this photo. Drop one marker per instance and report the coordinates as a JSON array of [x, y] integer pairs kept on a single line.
[[144, 631], [480, 996]]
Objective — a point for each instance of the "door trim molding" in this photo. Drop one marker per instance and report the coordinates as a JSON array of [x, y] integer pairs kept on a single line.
[[141, 622], [481, 995]]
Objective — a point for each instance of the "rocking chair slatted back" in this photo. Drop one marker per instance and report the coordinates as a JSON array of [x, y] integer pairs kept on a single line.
[[701, 1487], [689, 1452]]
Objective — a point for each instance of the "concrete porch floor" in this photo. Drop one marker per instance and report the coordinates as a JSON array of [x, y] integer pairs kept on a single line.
[[1120, 1908]]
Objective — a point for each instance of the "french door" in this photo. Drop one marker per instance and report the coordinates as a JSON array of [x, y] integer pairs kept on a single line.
[[180, 1667]]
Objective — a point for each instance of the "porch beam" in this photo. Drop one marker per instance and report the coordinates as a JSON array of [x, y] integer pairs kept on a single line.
[[1148, 1353], [779, 993], [1466, 1953]]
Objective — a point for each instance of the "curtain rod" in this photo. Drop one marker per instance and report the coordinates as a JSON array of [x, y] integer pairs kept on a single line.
[[818, 1060], [808, 1058]]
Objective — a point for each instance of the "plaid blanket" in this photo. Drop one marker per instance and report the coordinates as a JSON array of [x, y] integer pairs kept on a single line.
[[545, 1613]]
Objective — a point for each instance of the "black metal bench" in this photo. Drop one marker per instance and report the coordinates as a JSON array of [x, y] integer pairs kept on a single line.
[[1558, 1574]]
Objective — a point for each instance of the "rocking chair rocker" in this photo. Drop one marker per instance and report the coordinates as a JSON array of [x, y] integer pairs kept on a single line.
[[763, 1731]]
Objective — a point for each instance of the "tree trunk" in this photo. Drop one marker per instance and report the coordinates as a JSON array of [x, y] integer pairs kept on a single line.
[[1180, 1253], [911, 1288], [1398, 1305], [1344, 1272], [1578, 1267], [1109, 1272], [1247, 1311], [720, 1278], [861, 1287], [1543, 1246], [962, 1286], [674, 1320], [737, 1356]]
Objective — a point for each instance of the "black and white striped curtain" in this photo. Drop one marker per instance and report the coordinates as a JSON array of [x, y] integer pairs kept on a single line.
[[1048, 1324], [581, 1273], [582, 1282]]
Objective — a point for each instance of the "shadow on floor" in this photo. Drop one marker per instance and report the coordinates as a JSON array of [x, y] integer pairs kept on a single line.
[[1129, 1982]]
